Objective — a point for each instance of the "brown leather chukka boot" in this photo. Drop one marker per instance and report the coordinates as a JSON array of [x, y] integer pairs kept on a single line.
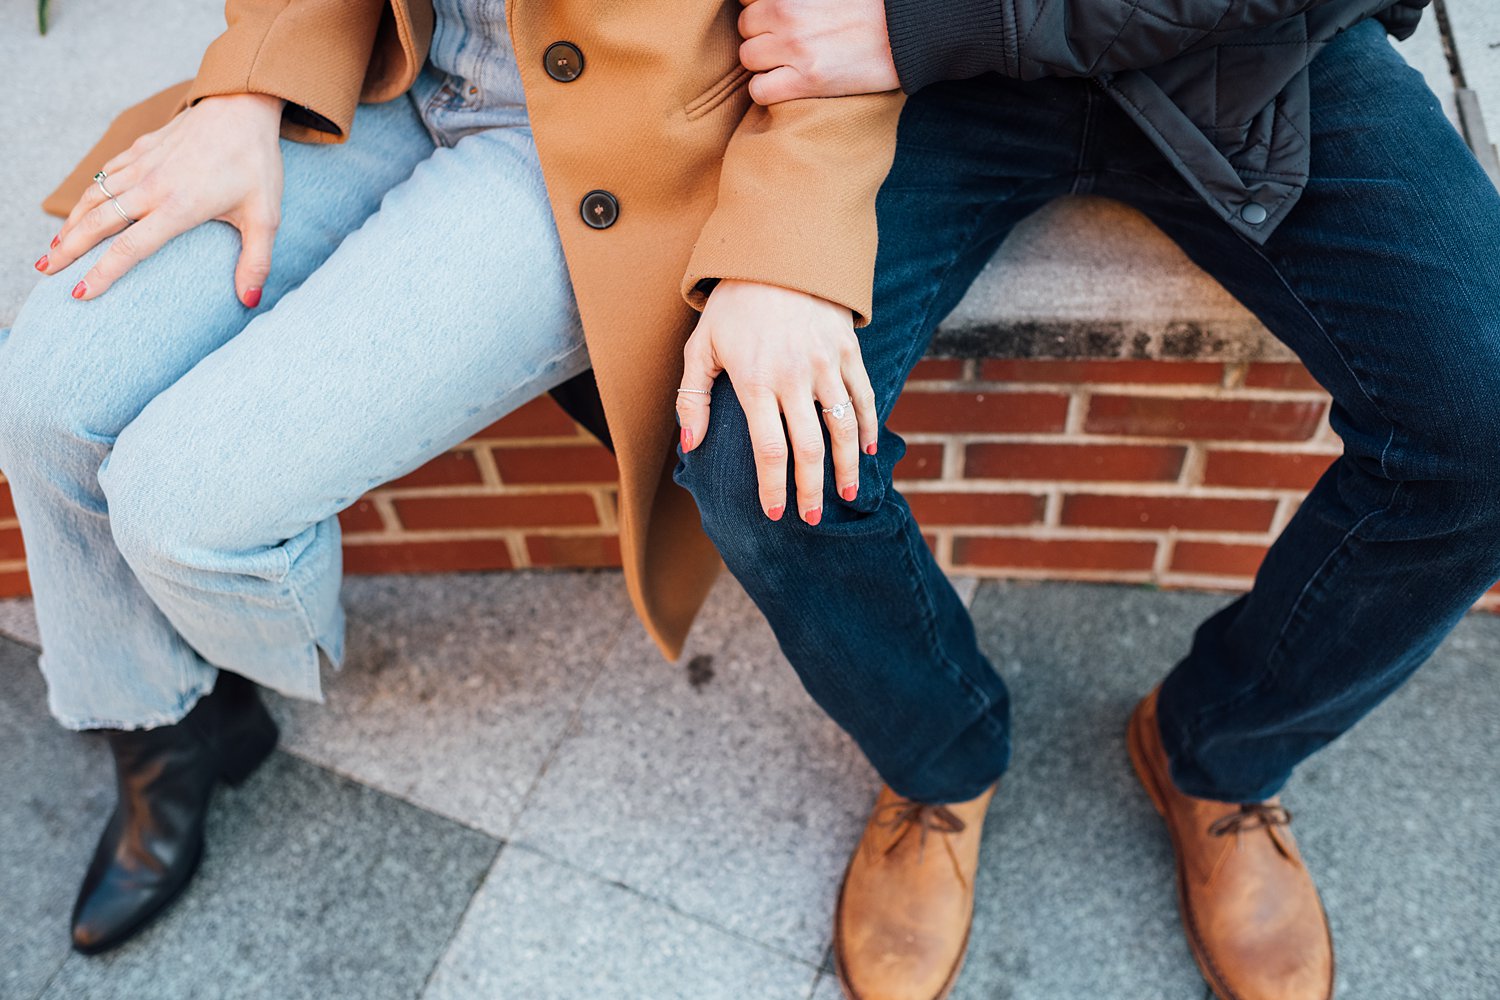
[[1250, 909], [908, 897]]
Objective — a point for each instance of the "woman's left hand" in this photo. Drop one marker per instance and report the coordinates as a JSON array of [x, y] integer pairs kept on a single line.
[[789, 355]]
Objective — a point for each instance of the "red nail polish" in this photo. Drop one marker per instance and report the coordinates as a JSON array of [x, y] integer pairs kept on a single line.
[[687, 439], [849, 492], [80, 290], [252, 297], [41, 264], [56, 240], [775, 512], [813, 516], [869, 449]]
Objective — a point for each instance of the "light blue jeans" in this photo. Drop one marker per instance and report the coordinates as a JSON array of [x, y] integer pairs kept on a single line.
[[177, 460]]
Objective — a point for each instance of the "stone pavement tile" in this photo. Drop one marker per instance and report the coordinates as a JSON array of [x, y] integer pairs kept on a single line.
[[18, 622], [715, 785], [60, 93], [1074, 897], [56, 791], [1399, 820], [457, 688], [539, 930], [314, 887]]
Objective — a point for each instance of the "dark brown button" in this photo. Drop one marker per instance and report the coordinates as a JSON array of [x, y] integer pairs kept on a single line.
[[564, 62], [599, 209]]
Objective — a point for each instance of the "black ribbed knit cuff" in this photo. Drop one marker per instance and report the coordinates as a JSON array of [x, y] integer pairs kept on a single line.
[[934, 40]]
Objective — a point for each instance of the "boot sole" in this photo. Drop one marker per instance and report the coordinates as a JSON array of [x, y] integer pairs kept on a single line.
[[838, 951], [1152, 785]]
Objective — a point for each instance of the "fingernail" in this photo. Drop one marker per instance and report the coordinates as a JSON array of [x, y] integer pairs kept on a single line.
[[41, 264], [870, 449], [849, 492], [775, 512], [687, 439], [56, 240], [813, 516], [80, 290], [252, 297]]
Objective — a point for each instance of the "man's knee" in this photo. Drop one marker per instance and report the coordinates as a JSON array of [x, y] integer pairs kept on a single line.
[[720, 474]]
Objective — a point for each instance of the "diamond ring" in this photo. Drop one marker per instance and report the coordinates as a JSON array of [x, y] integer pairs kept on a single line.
[[837, 410]]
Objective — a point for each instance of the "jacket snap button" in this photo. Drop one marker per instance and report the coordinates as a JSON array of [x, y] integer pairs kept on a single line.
[[599, 209], [563, 62], [1254, 214]]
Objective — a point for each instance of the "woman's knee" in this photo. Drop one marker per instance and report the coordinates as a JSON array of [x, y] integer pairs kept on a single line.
[[44, 412]]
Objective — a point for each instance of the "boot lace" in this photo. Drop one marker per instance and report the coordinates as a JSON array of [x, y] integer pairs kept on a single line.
[[1251, 816], [906, 816]]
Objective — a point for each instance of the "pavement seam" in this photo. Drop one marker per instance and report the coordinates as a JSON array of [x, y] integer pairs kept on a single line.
[[664, 904], [568, 731], [458, 924], [19, 641]]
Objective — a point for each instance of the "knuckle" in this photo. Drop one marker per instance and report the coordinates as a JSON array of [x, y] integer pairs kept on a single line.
[[807, 452], [769, 452], [124, 247]]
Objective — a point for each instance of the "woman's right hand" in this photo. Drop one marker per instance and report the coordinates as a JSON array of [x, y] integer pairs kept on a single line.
[[219, 159]]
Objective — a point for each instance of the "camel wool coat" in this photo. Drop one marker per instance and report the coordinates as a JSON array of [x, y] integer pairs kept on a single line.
[[708, 186]]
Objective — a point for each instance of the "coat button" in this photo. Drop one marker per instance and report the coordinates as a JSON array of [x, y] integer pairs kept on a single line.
[[599, 209], [1254, 214], [564, 63]]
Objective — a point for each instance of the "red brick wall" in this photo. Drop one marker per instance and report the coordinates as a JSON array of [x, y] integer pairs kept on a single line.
[[1175, 473]]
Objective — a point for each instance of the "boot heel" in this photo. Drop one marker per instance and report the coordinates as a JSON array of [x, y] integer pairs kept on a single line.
[[245, 750]]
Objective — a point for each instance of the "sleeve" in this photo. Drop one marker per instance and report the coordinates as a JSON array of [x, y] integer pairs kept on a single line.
[[311, 53], [796, 204], [953, 39]]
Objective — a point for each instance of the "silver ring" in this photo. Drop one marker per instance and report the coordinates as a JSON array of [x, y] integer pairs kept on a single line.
[[99, 179], [698, 392], [837, 410]]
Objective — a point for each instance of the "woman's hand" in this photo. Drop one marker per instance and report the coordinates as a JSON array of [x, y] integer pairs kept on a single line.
[[789, 355], [219, 159]]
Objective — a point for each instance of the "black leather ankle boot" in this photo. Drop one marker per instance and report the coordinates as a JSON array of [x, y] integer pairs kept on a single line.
[[152, 845]]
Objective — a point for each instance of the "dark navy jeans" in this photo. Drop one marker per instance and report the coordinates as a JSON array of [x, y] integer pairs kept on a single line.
[[1385, 280]]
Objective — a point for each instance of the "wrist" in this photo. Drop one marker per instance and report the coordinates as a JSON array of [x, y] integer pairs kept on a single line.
[[268, 105]]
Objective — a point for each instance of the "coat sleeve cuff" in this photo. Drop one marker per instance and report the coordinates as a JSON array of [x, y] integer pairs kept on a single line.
[[934, 40], [311, 53], [796, 203]]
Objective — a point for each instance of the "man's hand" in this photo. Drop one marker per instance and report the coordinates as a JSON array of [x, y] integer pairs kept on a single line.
[[789, 355], [816, 48], [219, 159]]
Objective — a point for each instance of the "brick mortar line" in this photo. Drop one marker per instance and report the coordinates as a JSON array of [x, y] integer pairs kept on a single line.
[[475, 534], [1075, 575], [1166, 551], [1153, 389], [1154, 489], [489, 472], [1310, 445], [486, 490], [1208, 580], [386, 508], [1034, 531]]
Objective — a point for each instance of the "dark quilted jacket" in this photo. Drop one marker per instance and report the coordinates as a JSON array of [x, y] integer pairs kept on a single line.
[[1220, 86]]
